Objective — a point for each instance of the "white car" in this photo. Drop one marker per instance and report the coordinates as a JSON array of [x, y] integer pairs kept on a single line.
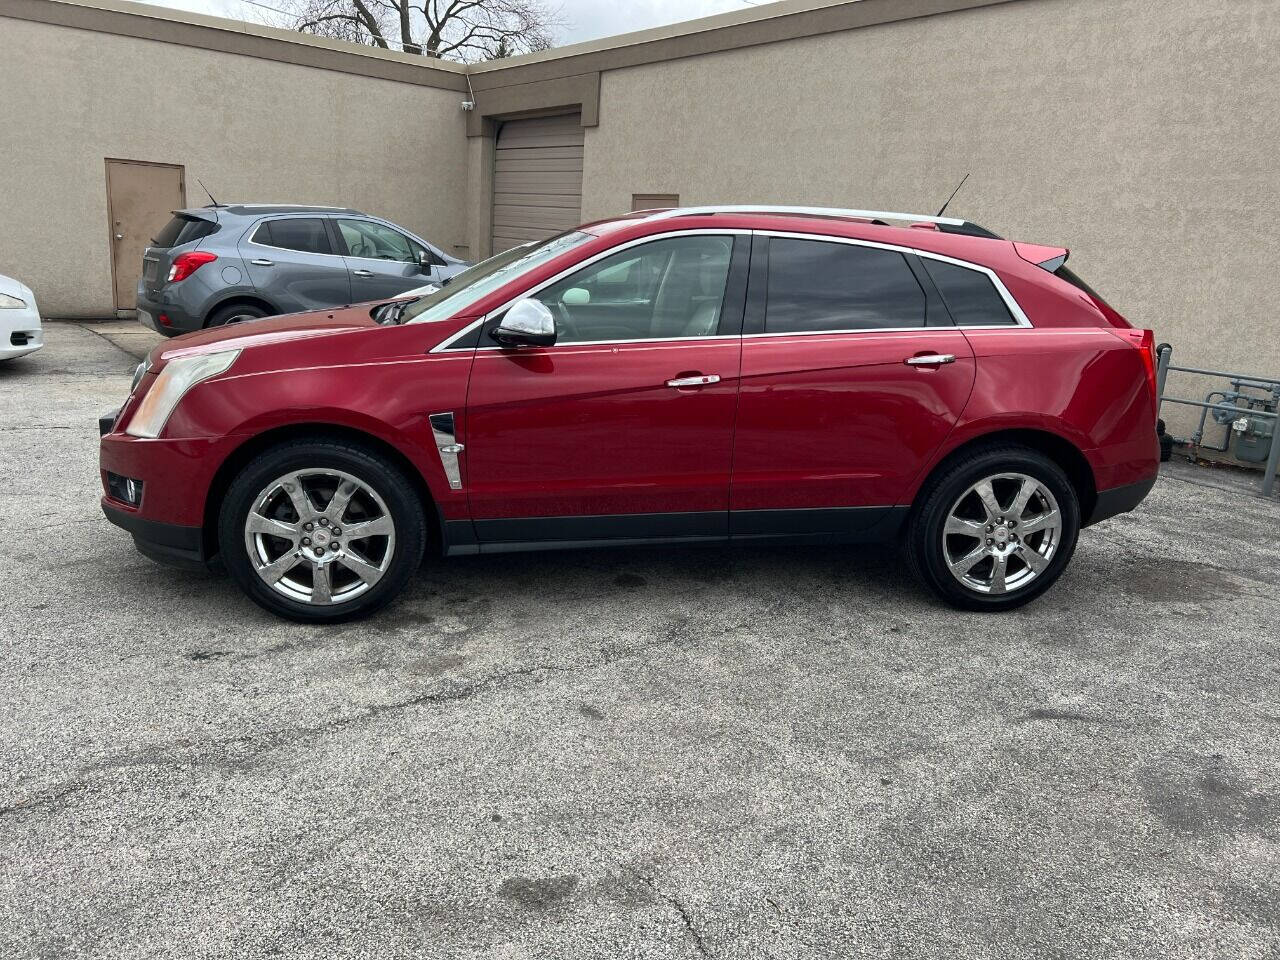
[[20, 331]]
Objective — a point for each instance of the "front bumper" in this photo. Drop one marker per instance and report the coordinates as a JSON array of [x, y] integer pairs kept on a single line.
[[20, 332], [167, 543], [176, 474], [168, 524]]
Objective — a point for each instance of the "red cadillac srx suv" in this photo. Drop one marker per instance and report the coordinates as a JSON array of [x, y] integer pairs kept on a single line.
[[784, 374]]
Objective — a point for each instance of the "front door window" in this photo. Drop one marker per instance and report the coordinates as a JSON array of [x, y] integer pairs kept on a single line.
[[373, 241], [670, 288]]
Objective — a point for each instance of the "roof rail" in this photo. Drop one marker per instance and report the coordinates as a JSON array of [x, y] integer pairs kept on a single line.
[[804, 212], [946, 224]]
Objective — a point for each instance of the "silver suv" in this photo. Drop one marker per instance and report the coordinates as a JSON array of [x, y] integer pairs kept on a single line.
[[222, 264]]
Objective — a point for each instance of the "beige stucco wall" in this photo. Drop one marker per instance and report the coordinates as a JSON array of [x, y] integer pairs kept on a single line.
[[1143, 134], [254, 130]]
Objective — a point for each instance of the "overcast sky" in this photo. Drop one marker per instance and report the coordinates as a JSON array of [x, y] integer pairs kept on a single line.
[[588, 19]]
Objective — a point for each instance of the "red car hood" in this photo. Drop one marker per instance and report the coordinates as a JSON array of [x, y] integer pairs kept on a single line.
[[240, 336]]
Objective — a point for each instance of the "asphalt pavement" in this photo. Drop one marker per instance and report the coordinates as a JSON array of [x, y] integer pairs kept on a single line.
[[694, 752]]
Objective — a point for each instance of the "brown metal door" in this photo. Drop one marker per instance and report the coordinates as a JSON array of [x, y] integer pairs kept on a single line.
[[537, 179], [140, 198]]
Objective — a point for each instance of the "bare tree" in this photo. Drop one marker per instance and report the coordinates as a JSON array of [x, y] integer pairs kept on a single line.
[[454, 29]]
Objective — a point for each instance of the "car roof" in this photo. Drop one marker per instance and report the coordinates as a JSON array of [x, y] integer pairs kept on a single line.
[[769, 212], [942, 235], [265, 209]]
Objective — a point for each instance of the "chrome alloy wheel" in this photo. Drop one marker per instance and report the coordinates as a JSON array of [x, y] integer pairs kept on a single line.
[[1002, 533], [319, 536]]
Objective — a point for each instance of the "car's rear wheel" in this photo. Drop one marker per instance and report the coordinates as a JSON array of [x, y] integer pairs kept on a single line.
[[321, 531], [235, 313], [995, 529]]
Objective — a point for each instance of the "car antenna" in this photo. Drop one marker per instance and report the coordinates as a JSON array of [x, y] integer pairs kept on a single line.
[[938, 214], [206, 190]]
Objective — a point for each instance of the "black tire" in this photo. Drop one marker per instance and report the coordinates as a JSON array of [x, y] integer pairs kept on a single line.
[[1166, 442], [380, 475], [925, 541], [235, 313]]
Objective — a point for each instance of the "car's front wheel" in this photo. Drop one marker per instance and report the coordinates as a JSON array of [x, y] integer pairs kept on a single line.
[[995, 529], [321, 531]]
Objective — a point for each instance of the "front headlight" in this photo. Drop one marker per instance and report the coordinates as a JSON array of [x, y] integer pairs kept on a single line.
[[8, 302], [174, 381]]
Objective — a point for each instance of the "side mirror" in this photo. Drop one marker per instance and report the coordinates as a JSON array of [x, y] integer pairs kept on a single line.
[[427, 260], [527, 324]]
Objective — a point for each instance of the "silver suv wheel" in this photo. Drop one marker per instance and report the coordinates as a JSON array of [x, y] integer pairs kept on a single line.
[[320, 536], [1001, 533]]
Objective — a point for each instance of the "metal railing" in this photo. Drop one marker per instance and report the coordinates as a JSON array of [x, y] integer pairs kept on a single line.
[[1163, 366]]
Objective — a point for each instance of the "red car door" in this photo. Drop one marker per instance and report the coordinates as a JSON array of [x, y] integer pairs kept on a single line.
[[623, 428], [852, 376]]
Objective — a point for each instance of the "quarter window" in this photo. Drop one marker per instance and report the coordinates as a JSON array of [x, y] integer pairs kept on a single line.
[[970, 296], [668, 288], [304, 234], [815, 285], [373, 241]]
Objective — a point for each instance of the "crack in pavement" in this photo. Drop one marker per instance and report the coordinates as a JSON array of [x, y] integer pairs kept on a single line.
[[66, 523], [198, 754], [670, 899], [674, 902], [50, 798]]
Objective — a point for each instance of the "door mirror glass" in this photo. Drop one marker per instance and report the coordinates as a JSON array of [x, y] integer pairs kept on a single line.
[[527, 324], [576, 297]]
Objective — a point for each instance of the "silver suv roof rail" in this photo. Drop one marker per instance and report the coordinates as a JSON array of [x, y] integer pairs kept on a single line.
[[805, 212]]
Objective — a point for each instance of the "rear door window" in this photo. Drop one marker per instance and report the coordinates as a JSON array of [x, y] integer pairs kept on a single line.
[[970, 296], [304, 234], [816, 285]]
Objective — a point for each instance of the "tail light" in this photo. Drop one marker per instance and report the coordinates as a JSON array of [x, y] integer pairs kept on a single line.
[[185, 264], [1145, 341]]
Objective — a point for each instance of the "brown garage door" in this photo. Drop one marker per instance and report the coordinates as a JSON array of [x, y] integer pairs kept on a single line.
[[537, 179]]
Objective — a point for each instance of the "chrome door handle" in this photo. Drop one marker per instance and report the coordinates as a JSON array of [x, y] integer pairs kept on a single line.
[[699, 381], [931, 360], [263, 263], [363, 273]]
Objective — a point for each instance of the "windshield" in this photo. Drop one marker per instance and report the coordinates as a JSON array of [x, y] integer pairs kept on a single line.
[[476, 283]]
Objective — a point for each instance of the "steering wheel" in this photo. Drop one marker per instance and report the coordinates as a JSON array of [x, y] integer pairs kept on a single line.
[[565, 322]]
